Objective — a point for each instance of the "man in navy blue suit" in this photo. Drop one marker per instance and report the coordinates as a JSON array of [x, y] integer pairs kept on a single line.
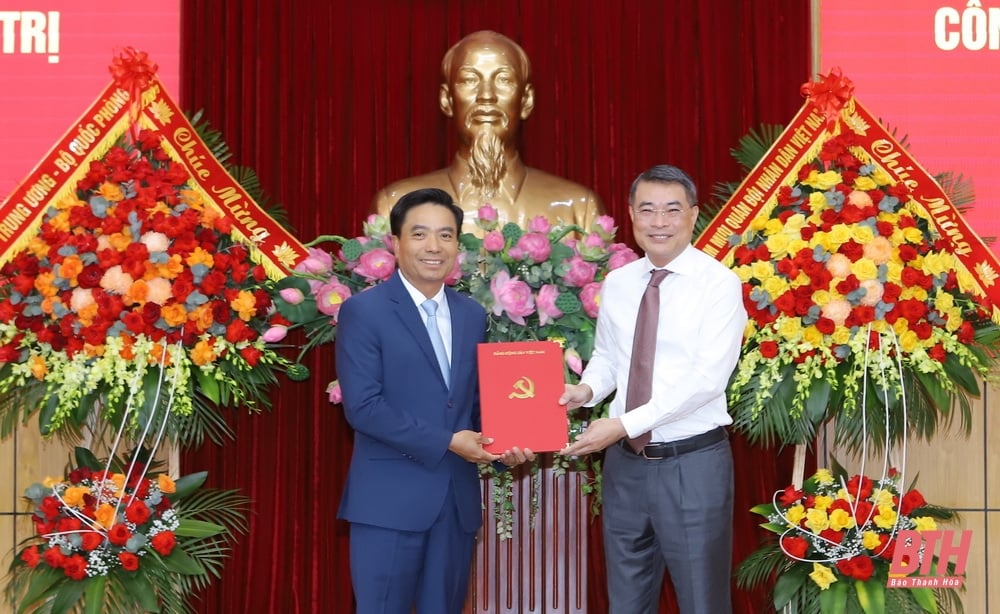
[[406, 360]]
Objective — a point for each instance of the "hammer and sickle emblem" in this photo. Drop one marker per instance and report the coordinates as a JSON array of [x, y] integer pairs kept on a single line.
[[524, 388]]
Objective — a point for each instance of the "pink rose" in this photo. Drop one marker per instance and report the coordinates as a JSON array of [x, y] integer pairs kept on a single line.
[[292, 296], [539, 223], [573, 361], [590, 296], [620, 257], [493, 241], [377, 264], [605, 226], [334, 392], [330, 296], [317, 262], [580, 272], [546, 303], [486, 217], [513, 296], [533, 245], [274, 334]]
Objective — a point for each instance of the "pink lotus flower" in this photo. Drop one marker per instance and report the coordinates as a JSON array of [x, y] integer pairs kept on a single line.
[[376, 226], [573, 361], [456, 271], [546, 302], [330, 296], [621, 255], [604, 226], [334, 392], [486, 217], [513, 296], [317, 262], [539, 223], [592, 247], [378, 264], [590, 297], [533, 245], [274, 334], [292, 296], [580, 272], [493, 241]]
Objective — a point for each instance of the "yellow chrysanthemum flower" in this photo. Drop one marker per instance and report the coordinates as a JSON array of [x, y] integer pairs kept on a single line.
[[823, 476], [925, 523], [822, 502], [823, 181], [864, 183], [841, 519], [817, 521], [795, 514], [790, 329]]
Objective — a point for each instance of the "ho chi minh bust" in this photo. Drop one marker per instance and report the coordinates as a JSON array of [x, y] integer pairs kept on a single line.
[[486, 90]]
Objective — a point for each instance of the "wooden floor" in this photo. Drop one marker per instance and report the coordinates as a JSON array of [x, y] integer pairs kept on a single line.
[[959, 472]]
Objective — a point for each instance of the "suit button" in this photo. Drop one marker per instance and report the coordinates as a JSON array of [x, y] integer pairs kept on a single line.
[[451, 404]]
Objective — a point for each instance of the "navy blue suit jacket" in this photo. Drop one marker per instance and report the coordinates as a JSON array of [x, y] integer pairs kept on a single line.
[[402, 413]]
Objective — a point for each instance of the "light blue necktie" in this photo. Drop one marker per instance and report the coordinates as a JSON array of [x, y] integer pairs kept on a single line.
[[431, 308]]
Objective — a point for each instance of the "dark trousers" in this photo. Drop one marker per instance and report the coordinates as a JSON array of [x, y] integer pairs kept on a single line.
[[673, 512]]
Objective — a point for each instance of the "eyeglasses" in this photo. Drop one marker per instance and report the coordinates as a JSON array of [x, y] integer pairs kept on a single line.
[[672, 212]]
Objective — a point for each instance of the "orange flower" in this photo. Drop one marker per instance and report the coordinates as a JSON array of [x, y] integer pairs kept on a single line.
[[169, 269], [38, 368], [137, 292], [203, 353], [202, 316], [120, 240], [166, 484], [245, 304], [105, 515], [49, 303], [111, 192], [44, 284], [174, 315], [200, 256], [71, 268], [128, 350]]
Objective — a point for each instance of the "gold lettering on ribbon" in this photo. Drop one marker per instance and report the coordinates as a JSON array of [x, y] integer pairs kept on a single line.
[[524, 388]]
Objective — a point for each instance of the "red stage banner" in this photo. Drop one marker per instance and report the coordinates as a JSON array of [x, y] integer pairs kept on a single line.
[[520, 384], [799, 143], [97, 130]]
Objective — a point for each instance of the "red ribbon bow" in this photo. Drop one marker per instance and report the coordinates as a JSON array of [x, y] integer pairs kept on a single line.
[[829, 95], [133, 71]]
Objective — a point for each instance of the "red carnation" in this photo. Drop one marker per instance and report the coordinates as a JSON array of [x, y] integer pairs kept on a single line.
[[50, 507], [137, 512], [769, 348], [75, 567], [119, 534], [790, 496], [251, 354], [129, 561], [164, 542], [31, 556], [91, 540], [859, 487], [54, 558], [826, 325]]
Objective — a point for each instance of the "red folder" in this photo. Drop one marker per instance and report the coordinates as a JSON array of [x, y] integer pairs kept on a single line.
[[519, 388]]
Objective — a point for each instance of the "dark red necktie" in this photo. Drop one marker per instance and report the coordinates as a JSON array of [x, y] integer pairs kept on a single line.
[[640, 371]]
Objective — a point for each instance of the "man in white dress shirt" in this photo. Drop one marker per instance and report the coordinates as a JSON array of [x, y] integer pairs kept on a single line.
[[668, 468]]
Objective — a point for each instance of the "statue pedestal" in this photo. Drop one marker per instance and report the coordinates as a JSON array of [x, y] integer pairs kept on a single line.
[[540, 569]]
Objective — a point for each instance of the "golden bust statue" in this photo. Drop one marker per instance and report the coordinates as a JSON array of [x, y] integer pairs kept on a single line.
[[486, 90]]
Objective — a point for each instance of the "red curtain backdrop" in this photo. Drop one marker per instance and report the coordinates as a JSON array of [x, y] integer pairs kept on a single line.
[[330, 100]]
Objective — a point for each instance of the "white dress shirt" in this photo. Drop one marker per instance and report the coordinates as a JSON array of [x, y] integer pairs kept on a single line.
[[443, 313], [698, 338]]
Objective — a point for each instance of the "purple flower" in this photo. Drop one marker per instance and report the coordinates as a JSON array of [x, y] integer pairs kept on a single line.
[[513, 296], [493, 241], [590, 296], [580, 272], [546, 302], [377, 264]]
